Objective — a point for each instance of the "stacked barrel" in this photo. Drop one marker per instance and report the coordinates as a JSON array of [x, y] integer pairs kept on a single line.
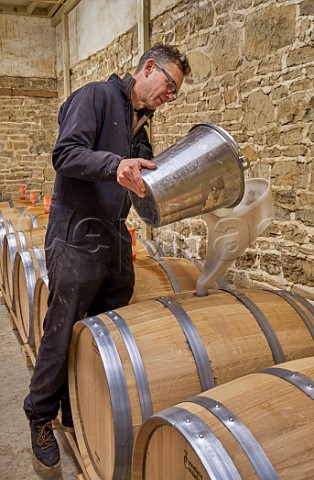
[[176, 386], [22, 233], [259, 426], [140, 362], [24, 280], [155, 274]]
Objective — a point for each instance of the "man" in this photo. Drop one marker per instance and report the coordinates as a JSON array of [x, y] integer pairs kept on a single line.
[[98, 156]]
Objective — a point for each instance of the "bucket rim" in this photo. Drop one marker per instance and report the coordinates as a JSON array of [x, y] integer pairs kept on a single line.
[[224, 134]]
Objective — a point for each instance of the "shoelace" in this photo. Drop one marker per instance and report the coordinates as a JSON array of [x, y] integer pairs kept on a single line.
[[45, 436]]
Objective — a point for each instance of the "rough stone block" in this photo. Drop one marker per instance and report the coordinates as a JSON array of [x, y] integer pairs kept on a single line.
[[305, 216], [226, 48], [258, 110], [268, 30], [307, 7], [288, 173], [298, 270], [300, 56]]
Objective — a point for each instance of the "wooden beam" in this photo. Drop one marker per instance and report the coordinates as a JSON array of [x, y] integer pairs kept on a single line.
[[66, 56], [143, 23], [31, 7], [64, 10], [143, 26], [53, 8], [23, 92], [19, 10]]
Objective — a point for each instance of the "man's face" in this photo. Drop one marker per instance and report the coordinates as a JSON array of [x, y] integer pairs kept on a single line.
[[159, 84]]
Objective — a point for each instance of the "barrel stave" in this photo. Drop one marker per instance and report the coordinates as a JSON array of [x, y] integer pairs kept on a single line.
[[229, 334], [275, 414]]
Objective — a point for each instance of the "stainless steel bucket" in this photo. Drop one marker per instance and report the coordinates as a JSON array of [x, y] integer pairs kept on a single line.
[[199, 174]]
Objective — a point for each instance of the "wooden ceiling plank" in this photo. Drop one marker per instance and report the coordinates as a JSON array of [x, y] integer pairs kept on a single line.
[[12, 9], [31, 7], [53, 8], [65, 9], [20, 10]]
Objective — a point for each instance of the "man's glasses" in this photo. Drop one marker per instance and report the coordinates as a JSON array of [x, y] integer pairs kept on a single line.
[[171, 87]]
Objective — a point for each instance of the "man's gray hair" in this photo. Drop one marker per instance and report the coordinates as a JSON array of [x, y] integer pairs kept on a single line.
[[165, 54]]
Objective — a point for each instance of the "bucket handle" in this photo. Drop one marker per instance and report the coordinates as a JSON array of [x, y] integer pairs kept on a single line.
[[245, 162]]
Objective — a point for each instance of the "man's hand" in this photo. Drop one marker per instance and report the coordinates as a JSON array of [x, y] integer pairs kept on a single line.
[[129, 174]]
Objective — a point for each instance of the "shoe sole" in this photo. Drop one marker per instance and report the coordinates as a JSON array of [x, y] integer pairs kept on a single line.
[[45, 466]]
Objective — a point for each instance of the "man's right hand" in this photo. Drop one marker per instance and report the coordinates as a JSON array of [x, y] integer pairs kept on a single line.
[[129, 174]]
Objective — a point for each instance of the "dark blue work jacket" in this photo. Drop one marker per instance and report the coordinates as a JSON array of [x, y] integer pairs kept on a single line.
[[95, 134]]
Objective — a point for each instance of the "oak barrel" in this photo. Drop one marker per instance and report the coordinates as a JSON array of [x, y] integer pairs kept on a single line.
[[7, 207], [40, 302], [128, 364], [23, 218], [12, 243], [10, 226], [258, 426], [18, 221], [163, 276], [153, 276], [148, 247], [28, 266]]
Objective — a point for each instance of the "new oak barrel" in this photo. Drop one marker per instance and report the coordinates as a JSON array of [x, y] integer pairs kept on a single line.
[[257, 426], [147, 247], [128, 364], [11, 226], [153, 276], [24, 218], [14, 242], [29, 265], [7, 207], [40, 300]]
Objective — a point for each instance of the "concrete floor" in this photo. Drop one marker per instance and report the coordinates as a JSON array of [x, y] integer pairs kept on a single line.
[[16, 457]]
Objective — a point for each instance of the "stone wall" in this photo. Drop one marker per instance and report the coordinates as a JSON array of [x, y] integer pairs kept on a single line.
[[28, 104], [252, 73], [27, 135]]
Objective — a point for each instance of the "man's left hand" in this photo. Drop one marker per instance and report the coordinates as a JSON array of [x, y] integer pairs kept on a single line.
[[129, 174]]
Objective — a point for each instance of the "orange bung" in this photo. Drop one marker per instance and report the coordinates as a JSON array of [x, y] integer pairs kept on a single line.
[[47, 202], [133, 235], [32, 197], [22, 192]]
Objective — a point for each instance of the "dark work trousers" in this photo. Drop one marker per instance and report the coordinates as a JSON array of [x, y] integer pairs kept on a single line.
[[90, 271]]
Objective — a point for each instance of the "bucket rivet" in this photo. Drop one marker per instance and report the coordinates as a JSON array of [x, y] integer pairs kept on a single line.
[[201, 435], [187, 420], [231, 419], [310, 385]]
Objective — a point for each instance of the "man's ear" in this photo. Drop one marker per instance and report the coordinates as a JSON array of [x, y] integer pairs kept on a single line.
[[149, 67]]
